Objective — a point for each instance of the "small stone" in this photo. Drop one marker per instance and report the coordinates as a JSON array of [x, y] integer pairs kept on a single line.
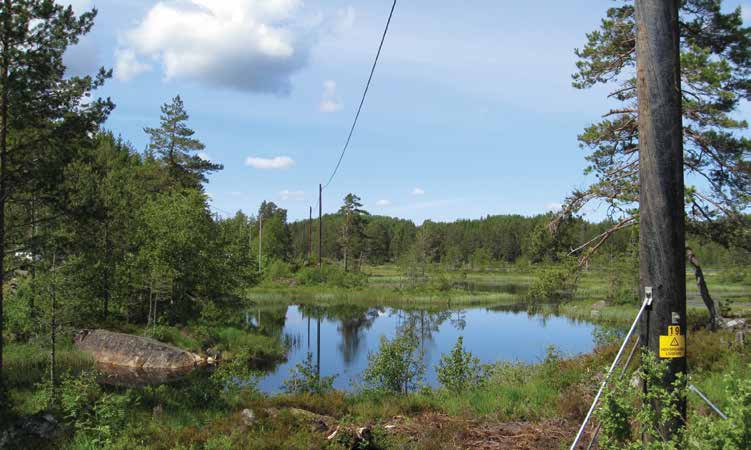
[[248, 417]]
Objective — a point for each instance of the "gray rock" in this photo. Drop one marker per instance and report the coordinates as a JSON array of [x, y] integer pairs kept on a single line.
[[127, 350], [248, 417], [733, 324]]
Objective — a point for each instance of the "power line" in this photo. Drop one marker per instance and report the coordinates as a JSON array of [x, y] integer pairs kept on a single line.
[[364, 94]]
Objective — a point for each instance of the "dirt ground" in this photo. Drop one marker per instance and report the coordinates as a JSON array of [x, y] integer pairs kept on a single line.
[[434, 430]]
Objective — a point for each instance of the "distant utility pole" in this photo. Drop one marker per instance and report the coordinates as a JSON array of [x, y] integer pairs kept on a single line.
[[662, 264], [260, 240], [320, 225], [310, 233], [250, 239]]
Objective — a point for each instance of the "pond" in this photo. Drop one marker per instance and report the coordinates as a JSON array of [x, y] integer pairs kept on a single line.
[[349, 333]]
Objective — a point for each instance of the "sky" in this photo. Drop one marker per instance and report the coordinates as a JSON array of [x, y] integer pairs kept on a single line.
[[471, 110]]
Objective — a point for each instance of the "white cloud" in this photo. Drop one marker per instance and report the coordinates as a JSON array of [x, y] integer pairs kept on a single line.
[[418, 191], [277, 162], [330, 100], [127, 65], [345, 19], [553, 206], [383, 203], [248, 45], [292, 195], [746, 13]]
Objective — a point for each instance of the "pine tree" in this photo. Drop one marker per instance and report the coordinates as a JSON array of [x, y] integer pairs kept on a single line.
[[715, 68], [43, 113], [173, 143], [352, 235]]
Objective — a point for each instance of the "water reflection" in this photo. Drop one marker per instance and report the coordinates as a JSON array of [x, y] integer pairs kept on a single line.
[[341, 337]]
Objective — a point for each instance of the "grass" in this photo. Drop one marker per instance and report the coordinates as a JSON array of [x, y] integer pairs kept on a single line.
[[27, 364]]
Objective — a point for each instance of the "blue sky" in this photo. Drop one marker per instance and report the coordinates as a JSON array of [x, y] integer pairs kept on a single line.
[[471, 111]]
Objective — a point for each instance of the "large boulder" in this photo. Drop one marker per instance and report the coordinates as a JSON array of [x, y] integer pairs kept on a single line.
[[126, 350]]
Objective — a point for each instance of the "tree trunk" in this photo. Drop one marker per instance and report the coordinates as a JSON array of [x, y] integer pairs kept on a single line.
[[703, 290], [345, 259], [53, 331], [3, 164], [106, 273], [661, 204]]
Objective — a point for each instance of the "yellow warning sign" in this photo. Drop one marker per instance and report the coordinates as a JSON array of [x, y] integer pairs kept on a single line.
[[674, 344]]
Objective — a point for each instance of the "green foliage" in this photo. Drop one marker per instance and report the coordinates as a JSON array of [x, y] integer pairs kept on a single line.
[[174, 144], [331, 275], [555, 283], [398, 365], [352, 234], [711, 432], [277, 270], [459, 370], [304, 379], [234, 375], [625, 405], [714, 64], [84, 405]]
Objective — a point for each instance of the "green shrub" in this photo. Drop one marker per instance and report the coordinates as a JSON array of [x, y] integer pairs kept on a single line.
[[17, 313], [174, 336], [304, 379], [440, 282], [85, 406], [711, 432], [310, 276], [398, 365], [277, 270], [459, 370], [625, 405], [555, 283]]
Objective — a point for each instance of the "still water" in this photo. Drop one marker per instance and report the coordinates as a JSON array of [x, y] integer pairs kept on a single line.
[[349, 333]]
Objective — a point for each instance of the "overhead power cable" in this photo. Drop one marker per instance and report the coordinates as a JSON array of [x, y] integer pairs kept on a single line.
[[364, 94]]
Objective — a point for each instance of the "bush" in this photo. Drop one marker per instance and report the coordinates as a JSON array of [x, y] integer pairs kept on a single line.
[[459, 370], [625, 406], [85, 406], [440, 282], [310, 276], [397, 367], [555, 283], [331, 275], [277, 270], [734, 433], [304, 379]]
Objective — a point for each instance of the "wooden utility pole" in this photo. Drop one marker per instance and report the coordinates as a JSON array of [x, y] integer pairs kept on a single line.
[[662, 265], [310, 233], [320, 226], [260, 240]]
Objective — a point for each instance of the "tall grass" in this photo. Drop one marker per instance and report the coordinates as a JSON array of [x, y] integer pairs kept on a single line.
[[27, 364]]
